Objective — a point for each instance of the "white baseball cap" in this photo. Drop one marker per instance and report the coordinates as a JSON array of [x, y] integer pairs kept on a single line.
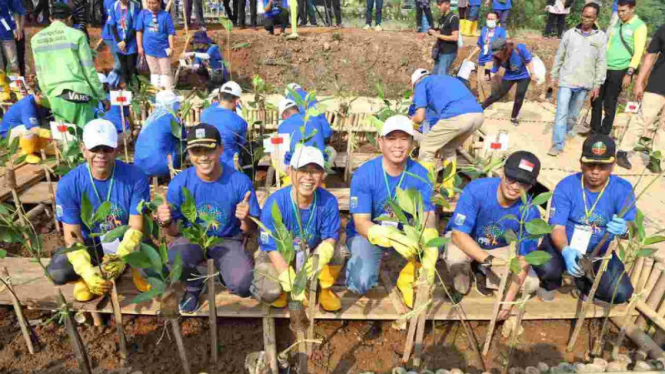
[[232, 88], [398, 123], [285, 104], [166, 97], [419, 73], [305, 155], [292, 87], [100, 132]]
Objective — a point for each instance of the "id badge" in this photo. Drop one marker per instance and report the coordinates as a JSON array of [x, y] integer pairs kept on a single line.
[[389, 223], [486, 49], [581, 238], [109, 248], [300, 258]]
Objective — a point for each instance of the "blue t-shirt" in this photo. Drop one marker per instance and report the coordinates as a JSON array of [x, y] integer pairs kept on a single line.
[[107, 34], [501, 5], [320, 221], [431, 117], [24, 112], [325, 124], [615, 7], [218, 198], [475, 2], [231, 127], [479, 214], [485, 43], [114, 116], [516, 64], [156, 29], [275, 10], [292, 126], [446, 96], [7, 24], [216, 60], [154, 143], [568, 206], [369, 192], [129, 186], [124, 20]]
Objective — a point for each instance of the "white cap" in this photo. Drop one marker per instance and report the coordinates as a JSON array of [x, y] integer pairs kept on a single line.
[[100, 132], [292, 87], [419, 73], [232, 88], [305, 155], [398, 123], [166, 98], [285, 104]]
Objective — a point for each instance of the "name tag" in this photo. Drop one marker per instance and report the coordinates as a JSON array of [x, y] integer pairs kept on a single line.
[[389, 223], [300, 257], [581, 238], [486, 49], [109, 248]]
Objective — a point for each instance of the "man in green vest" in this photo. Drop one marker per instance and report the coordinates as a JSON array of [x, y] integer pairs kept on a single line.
[[625, 48], [65, 69]]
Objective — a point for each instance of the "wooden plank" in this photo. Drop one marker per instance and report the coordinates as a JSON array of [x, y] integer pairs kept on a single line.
[[35, 292], [26, 176], [38, 193]]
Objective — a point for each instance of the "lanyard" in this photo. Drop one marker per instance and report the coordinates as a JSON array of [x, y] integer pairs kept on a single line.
[[92, 181], [587, 212], [123, 18], [385, 179], [311, 214]]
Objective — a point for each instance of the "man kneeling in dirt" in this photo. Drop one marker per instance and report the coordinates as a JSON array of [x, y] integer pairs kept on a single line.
[[480, 223], [368, 235], [228, 197], [319, 224], [100, 179], [585, 207]]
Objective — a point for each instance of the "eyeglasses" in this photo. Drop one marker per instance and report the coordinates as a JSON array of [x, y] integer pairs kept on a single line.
[[515, 181], [102, 149]]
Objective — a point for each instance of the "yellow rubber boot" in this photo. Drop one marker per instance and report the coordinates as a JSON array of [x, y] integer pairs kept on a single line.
[[450, 170], [464, 27], [29, 144], [81, 291], [281, 301], [285, 179], [431, 169], [293, 12], [5, 91], [406, 280], [139, 281], [327, 298], [474, 28]]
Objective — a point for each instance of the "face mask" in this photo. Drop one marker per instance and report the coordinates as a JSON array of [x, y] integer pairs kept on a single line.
[[491, 24]]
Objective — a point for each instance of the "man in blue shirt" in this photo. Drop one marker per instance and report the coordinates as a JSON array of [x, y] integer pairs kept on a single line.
[[100, 179], [318, 211], [107, 35], [208, 60], [295, 89], [222, 193], [481, 221], [502, 8], [24, 119], [156, 141], [231, 127], [368, 233], [12, 15], [459, 116], [585, 207]]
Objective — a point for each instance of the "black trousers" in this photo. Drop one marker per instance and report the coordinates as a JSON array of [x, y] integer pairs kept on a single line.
[[127, 67], [281, 19], [614, 281], [555, 21], [428, 14], [335, 7], [20, 52], [230, 11], [43, 7], [241, 15], [607, 102], [463, 12], [504, 88]]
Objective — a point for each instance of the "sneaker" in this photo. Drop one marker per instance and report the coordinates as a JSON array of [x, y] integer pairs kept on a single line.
[[554, 151], [460, 275], [582, 129], [481, 283], [367, 27], [545, 295], [189, 302], [378, 28], [654, 165], [514, 121], [622, 160]]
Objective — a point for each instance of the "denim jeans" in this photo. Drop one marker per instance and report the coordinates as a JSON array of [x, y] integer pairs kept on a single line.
[[362, 269], [473, 13], [443, 63], [368, 12], [568, 107]]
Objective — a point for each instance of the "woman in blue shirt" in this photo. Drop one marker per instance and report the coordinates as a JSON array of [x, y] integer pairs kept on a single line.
[[155, 33], [121, 24], [489, 34], [518, 65], [208, 60]]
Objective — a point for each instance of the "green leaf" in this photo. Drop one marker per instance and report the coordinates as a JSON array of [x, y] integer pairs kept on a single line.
[[405, 202], [510, 217], [437, 242], [10, 235], [176, 269], [538, 226], [411, 233], [147, 226], [137, 259], [299, 283], [622, 252], [541, 199], [654, 239], [510, 236], [3, 253], [524, 198], [537, 258], [116, 233], [227, 24], [639, 224], [153, 256], [86, 212], [515, 266], [13, 146], [176, 129], [146, 296], [188, 207], [102, 212], [397, 210], [645, 252]]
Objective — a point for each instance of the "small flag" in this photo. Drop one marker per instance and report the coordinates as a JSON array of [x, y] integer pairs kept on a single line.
[[526, 165]]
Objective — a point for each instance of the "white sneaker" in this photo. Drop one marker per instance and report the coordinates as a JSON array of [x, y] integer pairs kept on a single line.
[[378, 28], [545, 295], [367, 27]]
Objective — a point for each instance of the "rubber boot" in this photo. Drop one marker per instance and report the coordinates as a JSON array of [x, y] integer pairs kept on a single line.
[[166, 82], [293, 9], [29, 144], [474, 28], [5, 91], [406, 280], [81, 291], [156, 80], [327, 298], [449, 177], [285, 179], [281, 302], [465, 27], [431, 169], [139, 281]]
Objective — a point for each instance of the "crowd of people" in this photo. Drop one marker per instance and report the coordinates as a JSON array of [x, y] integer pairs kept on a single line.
[[585, 206]]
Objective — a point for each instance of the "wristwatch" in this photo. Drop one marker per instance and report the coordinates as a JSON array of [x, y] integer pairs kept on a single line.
[[630, 72], [487, 263]]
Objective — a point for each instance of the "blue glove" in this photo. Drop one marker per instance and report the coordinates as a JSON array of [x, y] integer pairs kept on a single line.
[[617, 226], [572, 256]]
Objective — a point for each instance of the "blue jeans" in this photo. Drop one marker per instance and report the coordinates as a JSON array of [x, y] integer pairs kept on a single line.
[[474, 12], [116, 63], [443, 63], [368, 12], [503, 17], [568, 107], [362, 269]]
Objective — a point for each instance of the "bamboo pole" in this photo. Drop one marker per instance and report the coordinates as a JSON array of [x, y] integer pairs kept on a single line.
[[656, 294], [269, 345], [212, 311], [636, 271], [643, 340], [177, 333], [117, 315], [25, 331], [124, 130], [10, 181], [51, 193], [74, 337], [651, 314], [497, 304], [422, 297], [646, 272], [313, 284]]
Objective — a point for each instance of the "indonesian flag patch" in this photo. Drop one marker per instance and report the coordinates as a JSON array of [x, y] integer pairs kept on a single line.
[[526, 165], [598, 148]]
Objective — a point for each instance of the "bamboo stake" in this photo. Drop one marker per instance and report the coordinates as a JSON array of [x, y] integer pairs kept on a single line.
[[19, 312], [421, 299], [74, 337], [212, 311], [51, 193], [656, 292], [643, 341], [497, 304], [313, 284], [581, 315], [636, 272], [513, 337], [646, 272], [124, 131], [269, 345], [117, 315], [175, 326], [10, 181]]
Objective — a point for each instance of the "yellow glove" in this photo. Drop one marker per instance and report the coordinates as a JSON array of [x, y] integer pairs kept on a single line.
[[80, 260], [430, 255], [325, 250], [429, 234], [379, 235], [287, 278], [389, 236], [112, 266], [130, 241]]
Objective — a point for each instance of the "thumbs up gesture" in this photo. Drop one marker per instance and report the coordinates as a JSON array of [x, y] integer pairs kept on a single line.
[[242, 209], [164, 215]]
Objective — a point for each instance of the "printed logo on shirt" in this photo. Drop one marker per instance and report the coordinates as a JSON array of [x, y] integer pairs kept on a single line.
[[552, 211], [598, 148], [493, 235], [526, 165], [595, 221], [113, 219], [264, 237], [200, 133], [459, 219], [354, 202], [33, 121], [220, 217], [58, 211]]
